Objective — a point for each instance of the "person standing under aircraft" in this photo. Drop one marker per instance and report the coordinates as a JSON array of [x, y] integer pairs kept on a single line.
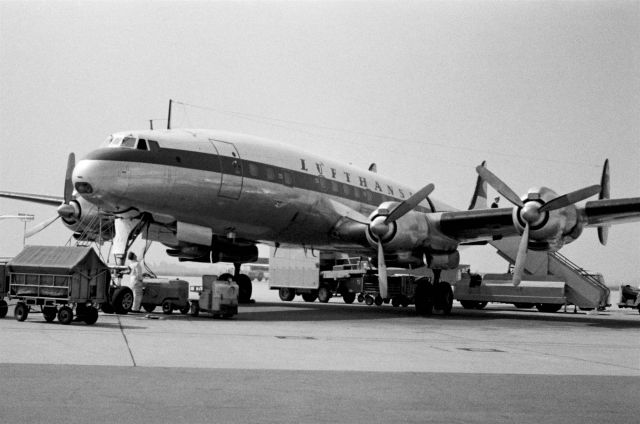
[[135, 280]]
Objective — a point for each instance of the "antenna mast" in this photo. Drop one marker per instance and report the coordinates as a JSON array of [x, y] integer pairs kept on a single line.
[[169, 117]]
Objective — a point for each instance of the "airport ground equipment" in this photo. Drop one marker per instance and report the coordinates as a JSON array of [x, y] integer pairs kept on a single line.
[[314, 276], [170, 294], [58, 280], [545, 293], [628, 297], [4, 288], [217, 297]]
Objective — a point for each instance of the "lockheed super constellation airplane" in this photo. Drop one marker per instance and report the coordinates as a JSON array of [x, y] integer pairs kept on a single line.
[[211, 196]]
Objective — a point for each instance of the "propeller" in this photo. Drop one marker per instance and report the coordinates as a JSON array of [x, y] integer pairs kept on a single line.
[[381, 225], [532, 213], [603, 232], [65, 210]]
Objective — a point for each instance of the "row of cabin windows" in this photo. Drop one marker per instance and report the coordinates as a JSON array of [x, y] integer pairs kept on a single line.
[[286, 177]]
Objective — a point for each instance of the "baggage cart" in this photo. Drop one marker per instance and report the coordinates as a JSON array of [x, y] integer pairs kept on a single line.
[[58, 280], [219, 298], [170, 294]]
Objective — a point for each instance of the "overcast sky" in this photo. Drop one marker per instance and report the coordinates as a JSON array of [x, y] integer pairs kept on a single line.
[[544, 91]]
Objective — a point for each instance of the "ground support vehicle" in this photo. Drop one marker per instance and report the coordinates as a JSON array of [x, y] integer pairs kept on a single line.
[[169, 294], [4, 288], [58, 280], [544, 292], [218, 297], [322, 276], [628, 297]]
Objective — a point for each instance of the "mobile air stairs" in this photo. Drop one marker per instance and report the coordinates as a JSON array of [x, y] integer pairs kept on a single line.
[[583, 289]]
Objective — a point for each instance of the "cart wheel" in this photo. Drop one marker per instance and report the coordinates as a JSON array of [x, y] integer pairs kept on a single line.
[[49, 314], [90, 316], [65, 315], [3, 308], [167, 307], [185, 309], [360, 298], [21, 312], [324, 294], [149, 307], [106, 308], [348, 298]]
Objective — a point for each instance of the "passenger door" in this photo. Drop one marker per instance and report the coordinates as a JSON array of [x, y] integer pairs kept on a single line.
[[231, 172]]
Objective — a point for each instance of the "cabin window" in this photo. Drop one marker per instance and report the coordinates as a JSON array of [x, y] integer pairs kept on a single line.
[[288, 179], [335, 186], [271, 174], [356, 192], [253, 170], [346, 189]]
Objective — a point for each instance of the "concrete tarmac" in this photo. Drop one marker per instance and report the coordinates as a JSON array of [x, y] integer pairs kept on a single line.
[[298, 362]]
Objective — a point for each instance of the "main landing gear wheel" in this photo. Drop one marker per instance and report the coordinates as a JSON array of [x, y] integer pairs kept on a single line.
[[443, 298], [423, 297], [4, 308], [89, 315], [286, 294], [21, 312], [324, 294], [65, 315], [245, 288]]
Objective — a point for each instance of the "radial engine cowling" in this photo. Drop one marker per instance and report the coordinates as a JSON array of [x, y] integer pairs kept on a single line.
[[86, 222], [549, 230], [406, 234]]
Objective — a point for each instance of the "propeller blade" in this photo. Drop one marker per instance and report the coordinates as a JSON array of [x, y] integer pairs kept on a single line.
[[499, 185], [41, 226], [570, 198], [521, 259], [603, 235], [68, 183], [603, 232], [382, 272], [410, 203]]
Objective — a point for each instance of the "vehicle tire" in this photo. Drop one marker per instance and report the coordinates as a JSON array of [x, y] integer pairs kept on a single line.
[[348, 298], [185, 309], [122, 300], [65, 315], [309, 297], [524, 305], [481, 305], [167, 307], [368, 300], [423, 297], [360, 298], [324, 294], [107, 308], [21, 312], [4, 308], [49, 314], [548, 307], [378, 300], [245, 288], [90, 316], [444, 298], [149, 307], [286, 294]]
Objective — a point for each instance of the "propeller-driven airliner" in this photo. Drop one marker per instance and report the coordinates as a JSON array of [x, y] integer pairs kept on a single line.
[[212, 196]]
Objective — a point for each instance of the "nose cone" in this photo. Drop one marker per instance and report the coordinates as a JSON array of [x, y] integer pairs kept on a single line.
[[98, 180]]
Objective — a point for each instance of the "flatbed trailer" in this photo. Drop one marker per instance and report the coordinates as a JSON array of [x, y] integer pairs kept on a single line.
[[57, 280]]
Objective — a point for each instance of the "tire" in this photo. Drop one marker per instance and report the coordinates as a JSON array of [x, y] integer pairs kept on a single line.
[[360, 298], [309, 297], [348, 298], [324, 294], [245, 288], [469, 304], [49, 314], [378, 301], [149, 307], [65, 315], [167, 307], [524, 305], [481, 305], [90, 316], [444, 298], [122, 300], [21, 312], [4, 308], [286, 294], [107, 308], [423, 297], [548, 307], [185, 309]]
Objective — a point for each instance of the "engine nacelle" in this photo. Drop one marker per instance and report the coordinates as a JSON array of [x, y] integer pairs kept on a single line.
[[444, 260], [406, 234], [86, 221]]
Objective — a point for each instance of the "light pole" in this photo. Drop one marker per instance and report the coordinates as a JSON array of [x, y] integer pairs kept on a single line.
[[24, 217]]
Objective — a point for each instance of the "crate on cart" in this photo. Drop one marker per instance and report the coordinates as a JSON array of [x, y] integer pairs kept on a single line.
[[58, 280]]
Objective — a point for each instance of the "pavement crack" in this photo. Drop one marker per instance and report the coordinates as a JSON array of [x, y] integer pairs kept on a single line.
[[126, 341]]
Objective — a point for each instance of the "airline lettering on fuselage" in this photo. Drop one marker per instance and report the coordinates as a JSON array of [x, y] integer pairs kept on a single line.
[[362, 180]]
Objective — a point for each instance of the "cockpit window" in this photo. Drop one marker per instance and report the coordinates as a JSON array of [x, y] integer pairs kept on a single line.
[[142, 144], [129, 142], [153, 145]]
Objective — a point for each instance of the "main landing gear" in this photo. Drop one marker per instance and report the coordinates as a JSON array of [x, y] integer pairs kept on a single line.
[[245, 287], [433, 297]]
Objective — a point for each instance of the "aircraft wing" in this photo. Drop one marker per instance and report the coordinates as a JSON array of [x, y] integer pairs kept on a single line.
[[611, 211], [34, 198]]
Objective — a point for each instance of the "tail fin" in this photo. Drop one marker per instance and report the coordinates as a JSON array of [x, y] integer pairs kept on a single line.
[[479, 198]]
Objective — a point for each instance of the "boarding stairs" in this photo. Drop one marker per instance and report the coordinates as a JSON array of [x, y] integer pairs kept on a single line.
[[582, 288]]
